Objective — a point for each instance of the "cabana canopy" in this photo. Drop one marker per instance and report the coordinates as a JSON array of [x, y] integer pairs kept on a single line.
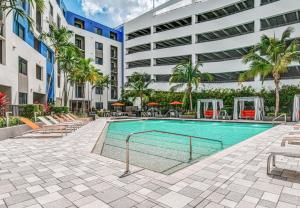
[[239, 111], [202, 108], [296, 108]]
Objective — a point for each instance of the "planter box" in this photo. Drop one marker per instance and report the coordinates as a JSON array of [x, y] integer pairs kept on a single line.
[[10, 132], [187, 116]]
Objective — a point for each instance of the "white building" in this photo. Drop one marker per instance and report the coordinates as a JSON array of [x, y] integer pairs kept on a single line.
[[218, 33], [27, 64]]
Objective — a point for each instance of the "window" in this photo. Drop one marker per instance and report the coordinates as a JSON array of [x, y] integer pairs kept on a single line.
[[98, 31], [79, 23], [22, 98], [22, 66], [174, 42], [58, 21], [173, 25], [58, 2], [37, 44], [99, 90], [51, 10], [139, 48], [99, 105], [79, 41], [280, 20], [38, 20], [139, 63], [99, 60], [113, 36], [172, 60], [49, 56], [20, 31], [39, 72], [225, 11], [99, 46], [162, 77], [264, 2], [79, 91], [226, 33], [139, 33], [114, 93]]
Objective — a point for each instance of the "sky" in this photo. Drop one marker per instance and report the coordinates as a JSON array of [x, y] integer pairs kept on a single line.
[[111, 12]]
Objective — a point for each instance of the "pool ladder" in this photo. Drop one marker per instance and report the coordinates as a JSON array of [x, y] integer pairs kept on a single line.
[[163, 132], [281, 115]]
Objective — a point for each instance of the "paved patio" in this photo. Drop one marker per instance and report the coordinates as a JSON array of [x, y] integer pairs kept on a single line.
[[63, 173]]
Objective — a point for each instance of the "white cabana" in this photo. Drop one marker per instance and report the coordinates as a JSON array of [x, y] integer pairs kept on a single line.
[[296, 108], [239, 107], [203, 105]]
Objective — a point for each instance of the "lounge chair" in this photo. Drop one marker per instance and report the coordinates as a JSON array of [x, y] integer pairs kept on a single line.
[[41, 132], [53, 120], [69, 128], [291, 151]]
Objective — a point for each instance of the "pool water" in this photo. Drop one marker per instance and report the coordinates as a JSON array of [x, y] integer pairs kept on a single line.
[[168, 153]]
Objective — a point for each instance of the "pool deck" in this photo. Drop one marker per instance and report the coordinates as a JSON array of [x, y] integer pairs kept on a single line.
[[64, 173]]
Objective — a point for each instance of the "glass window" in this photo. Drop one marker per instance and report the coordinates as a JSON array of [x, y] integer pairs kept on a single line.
[[58, 21], [113, 36], [51, 9], [79, 91], [99, 46], [99, 105], [22, 66], [22, 98], [98, 31], [79, 23], [99, 90], [99, 60], [39, 72], [20, 31]]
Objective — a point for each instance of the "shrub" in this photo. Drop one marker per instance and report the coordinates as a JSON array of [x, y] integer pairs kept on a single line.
[[287, 94], [28, 111], [13, 121], [59, 110]]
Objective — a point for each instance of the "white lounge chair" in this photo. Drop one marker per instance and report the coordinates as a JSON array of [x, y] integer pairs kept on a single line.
[[291, 151]]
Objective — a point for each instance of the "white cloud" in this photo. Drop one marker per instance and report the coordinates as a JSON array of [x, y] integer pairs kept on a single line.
[[119, 10]]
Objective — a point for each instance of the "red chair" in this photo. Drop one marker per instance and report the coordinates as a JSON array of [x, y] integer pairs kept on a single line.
[[248, 114], [210, 113]]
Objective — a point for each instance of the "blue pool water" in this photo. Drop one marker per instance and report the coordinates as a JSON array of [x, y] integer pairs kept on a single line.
[[168, 153]]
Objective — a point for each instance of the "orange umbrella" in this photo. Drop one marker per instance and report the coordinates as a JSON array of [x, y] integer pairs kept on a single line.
[[152, 104], [117, 104], [176, 103]]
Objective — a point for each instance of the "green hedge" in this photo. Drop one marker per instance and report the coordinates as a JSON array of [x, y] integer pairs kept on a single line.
[[28, 110], [59, 110], [13, 121], [287, 94]]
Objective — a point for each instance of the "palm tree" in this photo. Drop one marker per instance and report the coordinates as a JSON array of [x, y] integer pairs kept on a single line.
[[187, 74], [67, 61], [85, 74], [138, 86], [15, 7], [59, 40], [271, 57], [103, 82]]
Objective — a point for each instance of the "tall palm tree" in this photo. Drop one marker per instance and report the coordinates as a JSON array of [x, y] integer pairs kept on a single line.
[[86, 73], [185, 74], [271, 57], [138, 86], [59, 39], [103, 82], [67, 62], [14, 6]]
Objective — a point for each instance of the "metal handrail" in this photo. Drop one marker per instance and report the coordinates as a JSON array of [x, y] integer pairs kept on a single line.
[[164, 132], [282, 115]]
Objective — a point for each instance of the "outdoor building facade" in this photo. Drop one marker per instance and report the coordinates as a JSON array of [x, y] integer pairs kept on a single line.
[[28, 73], [216, 33]]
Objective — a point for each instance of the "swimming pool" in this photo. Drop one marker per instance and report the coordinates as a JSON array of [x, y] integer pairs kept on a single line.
[[168, 153]]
